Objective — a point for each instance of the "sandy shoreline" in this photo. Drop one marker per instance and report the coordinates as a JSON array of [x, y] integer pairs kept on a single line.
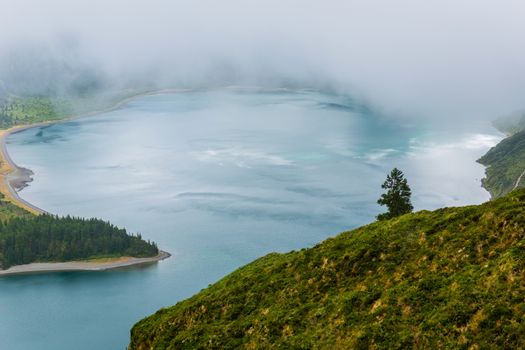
[[103, 265], [14, 178]]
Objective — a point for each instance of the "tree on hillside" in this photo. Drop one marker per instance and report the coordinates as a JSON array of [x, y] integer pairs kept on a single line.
[[397, 197]]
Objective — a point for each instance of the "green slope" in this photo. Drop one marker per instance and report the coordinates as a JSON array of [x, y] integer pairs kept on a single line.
[[451, 278], [8, 210], [505, 163]]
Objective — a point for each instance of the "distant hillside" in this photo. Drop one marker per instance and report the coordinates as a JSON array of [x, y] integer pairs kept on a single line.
[[505, 164], [26, 110], [452, 278], [511, 124], [29, 110]]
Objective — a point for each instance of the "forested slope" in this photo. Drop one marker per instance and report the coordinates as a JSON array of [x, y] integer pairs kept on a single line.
[[47, 238]]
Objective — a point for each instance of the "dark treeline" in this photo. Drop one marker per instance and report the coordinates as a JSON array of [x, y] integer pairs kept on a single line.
[[52, 238]]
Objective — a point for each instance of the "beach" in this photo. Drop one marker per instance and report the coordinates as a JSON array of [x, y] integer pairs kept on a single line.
[[14, 178], [88, 265]]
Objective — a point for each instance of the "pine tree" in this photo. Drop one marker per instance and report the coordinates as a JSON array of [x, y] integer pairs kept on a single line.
[[397, 197]]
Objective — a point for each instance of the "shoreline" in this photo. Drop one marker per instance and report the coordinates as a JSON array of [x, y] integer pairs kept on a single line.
[[69, 266], [14, 178]]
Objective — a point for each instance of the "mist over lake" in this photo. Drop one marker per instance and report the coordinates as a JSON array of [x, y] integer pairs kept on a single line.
[[217, 178]]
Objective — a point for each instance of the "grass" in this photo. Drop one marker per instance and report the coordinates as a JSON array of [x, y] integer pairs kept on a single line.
[[453, 278], [8, 210]]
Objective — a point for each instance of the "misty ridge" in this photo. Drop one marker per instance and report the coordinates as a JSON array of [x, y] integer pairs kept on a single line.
[[439, 60]]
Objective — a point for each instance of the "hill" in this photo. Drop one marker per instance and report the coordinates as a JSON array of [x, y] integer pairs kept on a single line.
[[505, 164], [511, 124], [451, 278]]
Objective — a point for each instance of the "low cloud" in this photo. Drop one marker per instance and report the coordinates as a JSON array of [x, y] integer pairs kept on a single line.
[[445, 60]]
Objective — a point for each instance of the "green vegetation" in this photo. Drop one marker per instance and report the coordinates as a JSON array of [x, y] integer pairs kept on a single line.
[[47, 238], [26, 110], [397, 197], [505, 163], [453, 278], [8, 210], [31, 110], [63, 92]]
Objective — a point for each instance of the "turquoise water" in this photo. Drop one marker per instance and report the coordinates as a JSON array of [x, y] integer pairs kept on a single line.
[[217, 178]]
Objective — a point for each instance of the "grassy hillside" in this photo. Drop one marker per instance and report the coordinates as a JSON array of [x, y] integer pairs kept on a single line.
[[452, 278], [8, 210], [505, 163]]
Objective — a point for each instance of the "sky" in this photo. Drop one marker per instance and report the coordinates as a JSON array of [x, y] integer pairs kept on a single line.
[[444, 59]]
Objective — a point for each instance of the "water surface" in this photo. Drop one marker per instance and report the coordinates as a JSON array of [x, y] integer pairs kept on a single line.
[[217, 178]]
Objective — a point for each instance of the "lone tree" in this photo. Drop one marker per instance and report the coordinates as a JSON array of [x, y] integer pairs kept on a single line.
[[397, 197]]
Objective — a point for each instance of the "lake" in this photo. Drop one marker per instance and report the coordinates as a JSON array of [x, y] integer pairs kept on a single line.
[[217, 178]]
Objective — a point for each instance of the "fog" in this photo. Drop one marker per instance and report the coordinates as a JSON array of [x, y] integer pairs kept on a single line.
[[411, 59]]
